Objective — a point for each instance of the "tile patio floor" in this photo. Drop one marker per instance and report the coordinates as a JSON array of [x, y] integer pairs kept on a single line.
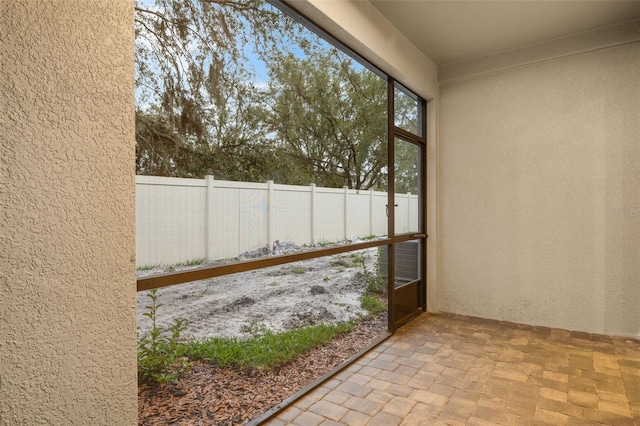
[[455, 370]]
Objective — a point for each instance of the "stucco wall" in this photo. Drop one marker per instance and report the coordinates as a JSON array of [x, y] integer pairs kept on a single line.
[[539, 208], [67, 236]]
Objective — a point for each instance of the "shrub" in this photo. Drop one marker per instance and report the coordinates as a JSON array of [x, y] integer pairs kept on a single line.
[[376, 282], [372, 304], [160, 354]]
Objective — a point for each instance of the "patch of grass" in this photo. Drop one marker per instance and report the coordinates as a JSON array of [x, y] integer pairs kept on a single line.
[[351, 261], [369, 237], [193, 262], [298, 270], [324, 243], [146, 267], [325, 279], [372, 304], [265, 351]]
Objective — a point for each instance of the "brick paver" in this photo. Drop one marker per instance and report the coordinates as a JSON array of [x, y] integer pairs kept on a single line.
[[453, 369]]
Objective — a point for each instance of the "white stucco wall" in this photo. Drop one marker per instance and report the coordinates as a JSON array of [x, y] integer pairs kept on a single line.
[[67, 233], [539, 207]]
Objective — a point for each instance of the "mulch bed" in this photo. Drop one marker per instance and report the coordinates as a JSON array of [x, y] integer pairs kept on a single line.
[[208, 395]]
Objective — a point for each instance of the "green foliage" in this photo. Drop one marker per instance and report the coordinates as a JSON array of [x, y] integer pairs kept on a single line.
[[265, 351], [146, 267], [160, 353], [193, 262], [198, 110], [376, 282], [203, 107], [330, 117], [352, 261], [298, 270], [371, 303]]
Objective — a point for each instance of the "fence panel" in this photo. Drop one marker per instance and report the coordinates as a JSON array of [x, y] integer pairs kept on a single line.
[[178, 220], [291, 214], [170, 220], [328, 215], [252, 219]]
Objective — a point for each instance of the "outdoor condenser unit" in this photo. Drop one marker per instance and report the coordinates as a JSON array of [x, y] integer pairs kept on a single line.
[[407, 261]]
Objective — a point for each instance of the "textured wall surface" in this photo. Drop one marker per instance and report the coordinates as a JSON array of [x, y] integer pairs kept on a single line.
[[540, 192], [67, 237]]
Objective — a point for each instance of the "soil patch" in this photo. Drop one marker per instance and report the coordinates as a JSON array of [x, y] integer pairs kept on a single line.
[[208, 395], [323, 290]]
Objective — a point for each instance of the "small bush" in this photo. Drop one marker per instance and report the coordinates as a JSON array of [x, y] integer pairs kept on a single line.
[[160, 354], [376, 282], [372, 304]]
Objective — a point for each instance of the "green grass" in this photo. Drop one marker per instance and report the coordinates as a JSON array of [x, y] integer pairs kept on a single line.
[[351, 261], [266, 351], [298, 270], [193, 262], [147, 267], [372, 304]]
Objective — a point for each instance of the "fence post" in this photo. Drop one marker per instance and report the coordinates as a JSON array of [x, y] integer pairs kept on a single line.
[[346, 195], [313, 214], [371, 212], [208, 223], [269, 214]]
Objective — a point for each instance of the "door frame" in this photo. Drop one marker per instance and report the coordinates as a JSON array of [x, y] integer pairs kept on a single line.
[[413, 294]]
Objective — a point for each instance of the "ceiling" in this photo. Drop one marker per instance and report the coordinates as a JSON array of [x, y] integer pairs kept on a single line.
[[453, 31]]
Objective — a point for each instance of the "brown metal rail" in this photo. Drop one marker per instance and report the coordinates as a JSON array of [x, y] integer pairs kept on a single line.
[[171, 278]]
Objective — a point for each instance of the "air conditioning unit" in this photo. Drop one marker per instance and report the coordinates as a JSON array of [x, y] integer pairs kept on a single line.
[[407, 261]]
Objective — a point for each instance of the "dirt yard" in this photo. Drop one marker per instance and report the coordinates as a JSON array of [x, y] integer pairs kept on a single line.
[[323, 290]]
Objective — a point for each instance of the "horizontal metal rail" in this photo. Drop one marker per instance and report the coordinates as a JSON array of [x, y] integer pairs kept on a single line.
[[180, 277]]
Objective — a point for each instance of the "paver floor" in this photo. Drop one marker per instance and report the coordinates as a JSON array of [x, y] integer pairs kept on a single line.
[[456, 370]]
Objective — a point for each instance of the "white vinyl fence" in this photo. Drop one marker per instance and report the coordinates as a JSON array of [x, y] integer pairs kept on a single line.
[[178, 219]]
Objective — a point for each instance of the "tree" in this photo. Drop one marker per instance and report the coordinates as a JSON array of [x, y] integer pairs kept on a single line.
[[406, 155], [193, 91], [329, 117]]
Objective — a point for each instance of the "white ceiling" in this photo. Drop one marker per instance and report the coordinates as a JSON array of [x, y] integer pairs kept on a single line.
[[453, 31]]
